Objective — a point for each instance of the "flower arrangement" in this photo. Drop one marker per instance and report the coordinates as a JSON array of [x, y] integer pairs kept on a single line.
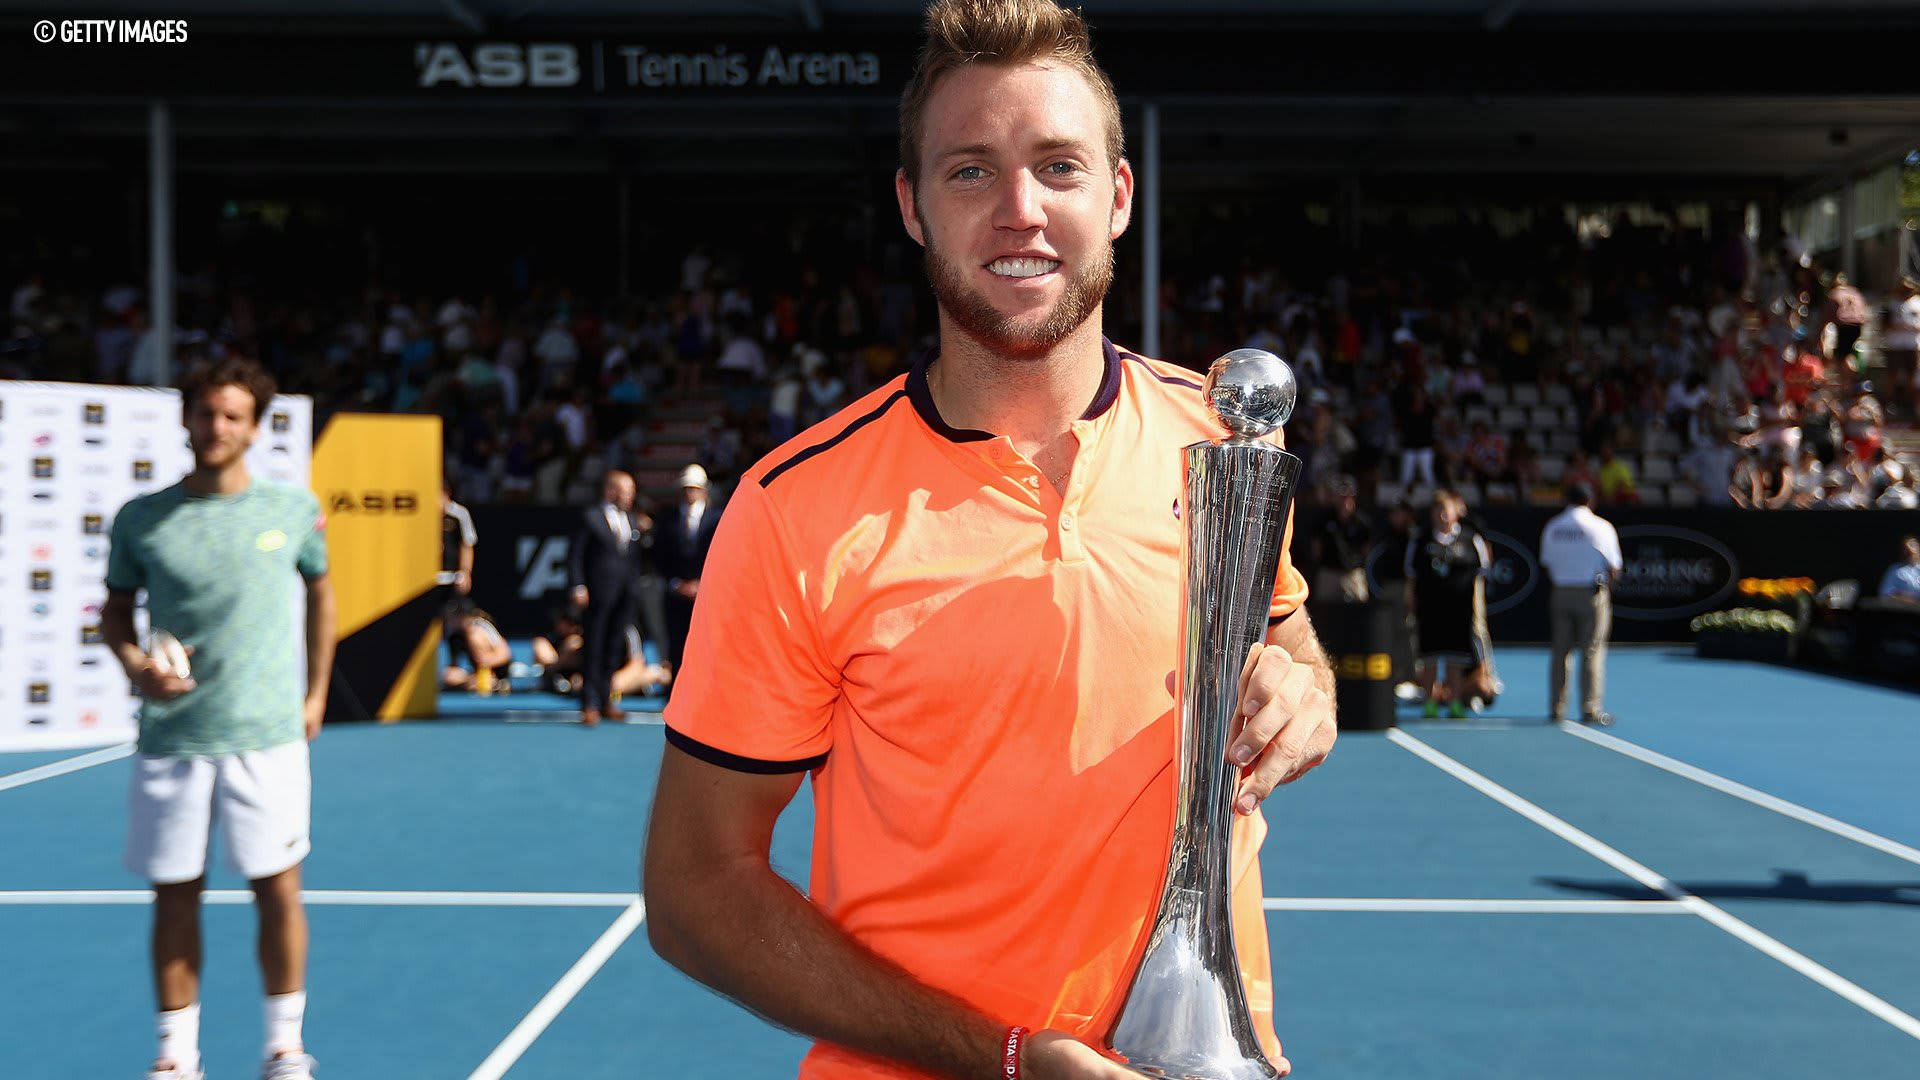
[[1775, 588], [1745, 621]]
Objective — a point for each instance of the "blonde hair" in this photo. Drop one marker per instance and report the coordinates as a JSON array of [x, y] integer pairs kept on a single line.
[[1004, 32]]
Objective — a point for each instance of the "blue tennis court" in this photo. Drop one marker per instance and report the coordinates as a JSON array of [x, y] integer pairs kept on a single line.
[[1726, 884]]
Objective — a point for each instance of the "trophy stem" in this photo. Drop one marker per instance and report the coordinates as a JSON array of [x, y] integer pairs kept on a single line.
[[1186, 1015]]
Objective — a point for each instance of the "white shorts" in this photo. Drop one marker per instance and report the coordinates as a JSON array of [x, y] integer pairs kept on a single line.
[[262, 800]]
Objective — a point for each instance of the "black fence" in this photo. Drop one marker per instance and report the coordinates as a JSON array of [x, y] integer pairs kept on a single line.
[[1679, 563]]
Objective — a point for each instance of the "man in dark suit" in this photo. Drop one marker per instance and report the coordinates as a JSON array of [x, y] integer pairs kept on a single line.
[[604, 565], [682, 551]]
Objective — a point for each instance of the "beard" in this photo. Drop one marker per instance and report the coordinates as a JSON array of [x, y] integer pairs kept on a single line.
[[1024, 336]]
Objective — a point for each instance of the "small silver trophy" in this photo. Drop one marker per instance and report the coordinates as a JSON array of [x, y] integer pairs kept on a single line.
[[1185, 1016]]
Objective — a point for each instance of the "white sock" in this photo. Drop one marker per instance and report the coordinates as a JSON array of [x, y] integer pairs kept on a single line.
[[180, 1037], [284, 1015]]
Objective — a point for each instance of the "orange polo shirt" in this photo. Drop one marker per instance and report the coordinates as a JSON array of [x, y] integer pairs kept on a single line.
[[975, 669]]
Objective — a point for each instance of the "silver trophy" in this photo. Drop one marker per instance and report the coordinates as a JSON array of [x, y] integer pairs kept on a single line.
[[1185, 1016]]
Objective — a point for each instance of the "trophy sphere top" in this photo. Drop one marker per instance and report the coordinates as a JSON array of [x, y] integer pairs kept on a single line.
[[1252, 391]]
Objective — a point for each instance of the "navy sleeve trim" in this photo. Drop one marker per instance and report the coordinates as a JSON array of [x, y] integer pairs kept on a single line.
[[1174, 379], [820, 448], [694, 747]]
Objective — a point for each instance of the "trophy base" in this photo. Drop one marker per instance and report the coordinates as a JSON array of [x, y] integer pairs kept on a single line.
[[1228, 1069]]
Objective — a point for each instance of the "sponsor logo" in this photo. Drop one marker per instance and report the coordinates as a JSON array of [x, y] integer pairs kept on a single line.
[[94, 468], [95, 440], [373, 502], [146, 416], [44, 438], [38, 721], [42, 552], [1512, 576], [90, 610], [143, 470], [92, 524], [39, 693], [40, 665], [41, 610], [89, 660], [280, 421], [89, 690], [543, 565], [89, 718], [497, 64], [271, 540], [90, 634], [43, 496], [1671, 573], [93, 551], [43, 468], [44, 410], [93, 412], [42, 581], [282, 448]]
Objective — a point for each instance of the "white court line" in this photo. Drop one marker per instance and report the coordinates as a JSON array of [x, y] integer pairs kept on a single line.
[[556, 999], [1741, 791], [1476, 906], [63, 767], [335, 897], [1772, 947]]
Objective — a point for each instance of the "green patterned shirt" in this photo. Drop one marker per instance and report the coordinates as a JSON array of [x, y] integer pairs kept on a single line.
[[219, 574]]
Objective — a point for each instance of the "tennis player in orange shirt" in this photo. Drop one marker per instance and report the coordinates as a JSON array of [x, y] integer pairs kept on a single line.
[[954, 606]]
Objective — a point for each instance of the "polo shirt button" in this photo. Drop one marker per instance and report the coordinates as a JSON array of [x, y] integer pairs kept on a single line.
[[1066, 521]]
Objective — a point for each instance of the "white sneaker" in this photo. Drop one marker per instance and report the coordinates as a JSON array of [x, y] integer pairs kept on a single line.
[[175, 1072], [297, 1066]]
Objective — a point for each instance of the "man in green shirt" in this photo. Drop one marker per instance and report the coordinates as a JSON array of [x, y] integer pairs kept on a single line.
[[224, 736]]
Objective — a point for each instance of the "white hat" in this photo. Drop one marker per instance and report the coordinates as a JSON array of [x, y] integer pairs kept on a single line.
[[693, 476]]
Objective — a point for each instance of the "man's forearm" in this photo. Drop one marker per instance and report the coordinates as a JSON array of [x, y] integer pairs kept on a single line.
[[320, 632], [751, 935], [116, 629]]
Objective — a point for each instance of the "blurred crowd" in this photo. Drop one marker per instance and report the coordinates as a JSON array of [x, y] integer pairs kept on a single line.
[[1743, 374]]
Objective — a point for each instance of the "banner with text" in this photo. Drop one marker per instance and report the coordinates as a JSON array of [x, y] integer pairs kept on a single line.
[[70, 456]]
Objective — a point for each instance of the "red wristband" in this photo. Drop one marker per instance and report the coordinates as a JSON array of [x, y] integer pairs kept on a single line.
[[1010, 1068]]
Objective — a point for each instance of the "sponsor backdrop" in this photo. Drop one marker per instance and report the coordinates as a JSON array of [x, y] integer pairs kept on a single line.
[[378, 479], [70, 456], [1679, 563]]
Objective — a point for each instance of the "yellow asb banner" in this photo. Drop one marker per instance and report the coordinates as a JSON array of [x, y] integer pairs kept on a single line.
[[378, 480]]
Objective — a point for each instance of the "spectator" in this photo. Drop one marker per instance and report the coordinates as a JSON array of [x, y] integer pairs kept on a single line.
[[1684, 401], [1901, 582], [1708, 468], [1443, 565], [685, 538], [1847, 310], [1342, 546], [1899, 344], [740, 355], [1616, 478], [1487, 459], [1900, 494], [1580, 552], [604, 565], [1414, 416]]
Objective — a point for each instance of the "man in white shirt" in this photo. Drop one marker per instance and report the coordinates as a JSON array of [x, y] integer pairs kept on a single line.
[[1581, 555], [1902, 580]]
